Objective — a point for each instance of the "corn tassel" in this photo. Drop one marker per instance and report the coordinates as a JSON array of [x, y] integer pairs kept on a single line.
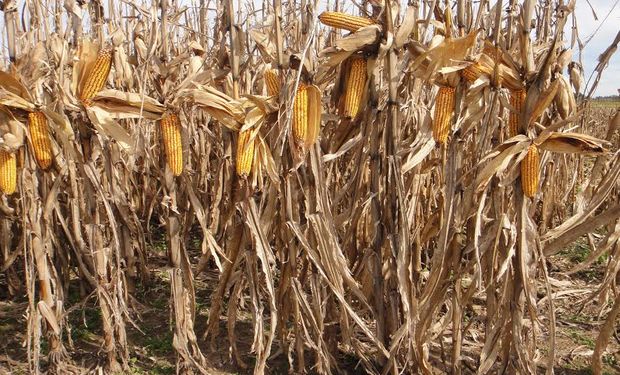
[[444, 108], [245, 154], [97, 76], [354, 88], [173, 147], [40, 139], [517, 98], [272, 81], [530, 166], [344, 21], [8, 172]]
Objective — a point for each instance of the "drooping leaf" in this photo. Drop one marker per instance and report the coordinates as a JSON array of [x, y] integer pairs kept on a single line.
[[574, 143]]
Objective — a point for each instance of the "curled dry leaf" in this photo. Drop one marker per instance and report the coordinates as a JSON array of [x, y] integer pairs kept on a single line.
[[12, 100], [11, 131], [406, 27], [574, 143], [217, 104], [501, 66], [500, 159], [105, 124], [267, 104], [124, 76], [57, 48], [254, 119], [264, 159], [124, 105], [265, 44], [448, 53], [11, 84], [364, 37]]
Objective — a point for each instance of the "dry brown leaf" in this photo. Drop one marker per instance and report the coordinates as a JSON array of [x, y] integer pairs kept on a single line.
[[574, 143], [106, 125], [449, 52], [543, 101], [123, 105]]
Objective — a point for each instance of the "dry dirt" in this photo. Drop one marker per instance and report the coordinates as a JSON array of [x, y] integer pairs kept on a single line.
[[152, 351]]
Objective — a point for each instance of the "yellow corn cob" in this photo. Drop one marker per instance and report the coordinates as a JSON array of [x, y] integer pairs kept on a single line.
[[354, 88], [444, 108], [300, 113], [97, 77], [173, 147], [40, 139], [245, 154], [530, 171], [272, 81], [517, 98], [344, 21], [314, 115], [8, 172], [471, 72]]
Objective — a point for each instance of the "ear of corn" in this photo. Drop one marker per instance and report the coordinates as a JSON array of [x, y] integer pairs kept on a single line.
[[517, 98], [307, 114], [530, 167], [40, 139], [471, 72], [8, 172], [97, 76], [444, 108], [314, 115], [344, 21], [354, 88], [245, 153], [272, 81], [173, 147], [300, 113]]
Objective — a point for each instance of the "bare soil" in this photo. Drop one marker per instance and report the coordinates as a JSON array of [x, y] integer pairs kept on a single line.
[[151, 350]]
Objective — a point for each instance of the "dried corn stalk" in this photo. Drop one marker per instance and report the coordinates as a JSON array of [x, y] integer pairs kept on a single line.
[[40, 139], [173, 147]]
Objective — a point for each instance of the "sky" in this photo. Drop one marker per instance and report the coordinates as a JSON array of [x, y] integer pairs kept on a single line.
[[587, 25], [602, 32]]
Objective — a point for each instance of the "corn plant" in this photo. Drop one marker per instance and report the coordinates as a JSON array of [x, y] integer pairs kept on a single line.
[[380, 182]]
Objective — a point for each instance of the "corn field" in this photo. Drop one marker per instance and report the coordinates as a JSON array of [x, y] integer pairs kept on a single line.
[[374, 187]]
